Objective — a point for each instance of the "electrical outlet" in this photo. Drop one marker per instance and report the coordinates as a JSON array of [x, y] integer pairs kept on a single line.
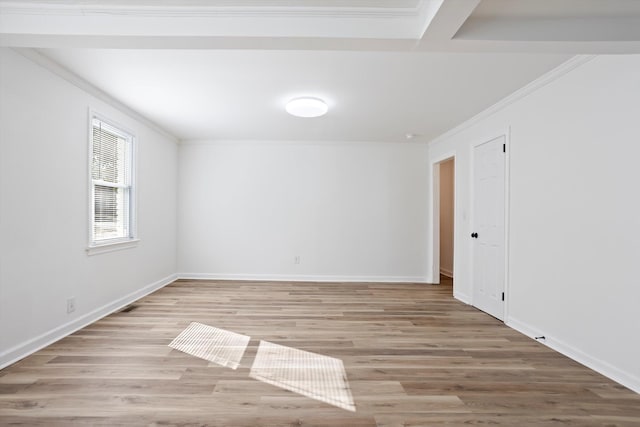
[[296, 259], [71, 305]]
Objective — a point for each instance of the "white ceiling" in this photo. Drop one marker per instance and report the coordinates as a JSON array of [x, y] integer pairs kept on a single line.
[[240, 94], [222, 69]]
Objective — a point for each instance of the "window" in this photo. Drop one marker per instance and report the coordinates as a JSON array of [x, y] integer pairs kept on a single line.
[[111, 168]]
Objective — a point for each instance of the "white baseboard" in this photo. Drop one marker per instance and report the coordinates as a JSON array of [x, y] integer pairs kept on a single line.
[[462, 297], [626, 379], [301, 278], [28, 347], [446, 272]]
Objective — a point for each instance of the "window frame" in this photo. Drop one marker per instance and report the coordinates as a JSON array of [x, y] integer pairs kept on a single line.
[[117, 243]]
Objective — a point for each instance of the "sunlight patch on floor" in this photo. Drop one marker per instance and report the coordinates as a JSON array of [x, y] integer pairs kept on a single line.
[[313, 375], [222, 347]]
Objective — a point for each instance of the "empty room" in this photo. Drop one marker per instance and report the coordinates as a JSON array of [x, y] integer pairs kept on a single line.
[[339, 213]]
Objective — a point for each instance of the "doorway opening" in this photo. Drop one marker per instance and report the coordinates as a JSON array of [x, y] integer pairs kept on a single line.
[[443, 210], [446, 222]]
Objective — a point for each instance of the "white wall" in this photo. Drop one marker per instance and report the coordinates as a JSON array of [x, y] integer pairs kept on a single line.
[[44, 211], [574, 212], [447, 197], [351, 211]]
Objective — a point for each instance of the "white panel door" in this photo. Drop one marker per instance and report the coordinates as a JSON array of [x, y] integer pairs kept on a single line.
[[488, 234]]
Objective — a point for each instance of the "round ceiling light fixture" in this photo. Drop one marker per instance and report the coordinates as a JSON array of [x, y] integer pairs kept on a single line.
[[307, 107]]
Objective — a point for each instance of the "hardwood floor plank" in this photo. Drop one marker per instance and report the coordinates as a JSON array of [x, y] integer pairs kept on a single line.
[[413, 356]]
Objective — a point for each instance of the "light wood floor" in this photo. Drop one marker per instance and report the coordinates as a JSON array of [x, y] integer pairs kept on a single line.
[[413, 355]]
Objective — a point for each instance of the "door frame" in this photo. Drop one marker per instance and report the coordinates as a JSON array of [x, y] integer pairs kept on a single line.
[[506, 133], [434, 218]]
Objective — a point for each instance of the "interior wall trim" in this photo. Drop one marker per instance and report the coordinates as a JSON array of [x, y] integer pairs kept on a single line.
[[551, 76], [625, 378], [300, 11], [446, 272], [32, 345], [301, 278], [57, 69], [462, 297]]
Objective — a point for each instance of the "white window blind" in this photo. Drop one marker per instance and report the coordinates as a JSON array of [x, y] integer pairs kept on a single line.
[[111, 183]]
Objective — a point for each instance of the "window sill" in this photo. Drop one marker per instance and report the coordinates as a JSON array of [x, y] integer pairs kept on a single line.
[[112, 246]]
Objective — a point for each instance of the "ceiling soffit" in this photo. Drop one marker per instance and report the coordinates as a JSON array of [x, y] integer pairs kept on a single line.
[[553, 20]]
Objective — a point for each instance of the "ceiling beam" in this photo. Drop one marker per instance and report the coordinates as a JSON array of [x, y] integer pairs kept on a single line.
[[65, 41], [552, 29], [448, 19], [44, 41], [277, 22], [435, 26]]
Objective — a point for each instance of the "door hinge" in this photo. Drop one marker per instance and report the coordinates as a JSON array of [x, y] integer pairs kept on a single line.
[[503, 296], [504, 148]]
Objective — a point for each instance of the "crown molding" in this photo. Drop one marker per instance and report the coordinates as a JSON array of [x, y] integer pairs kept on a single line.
[[35, 8], [318, 22], [540, 82], [79, 82], [298, 143]]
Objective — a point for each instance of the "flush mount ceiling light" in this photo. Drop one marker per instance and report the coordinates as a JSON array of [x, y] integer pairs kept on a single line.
[[307, 107]]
